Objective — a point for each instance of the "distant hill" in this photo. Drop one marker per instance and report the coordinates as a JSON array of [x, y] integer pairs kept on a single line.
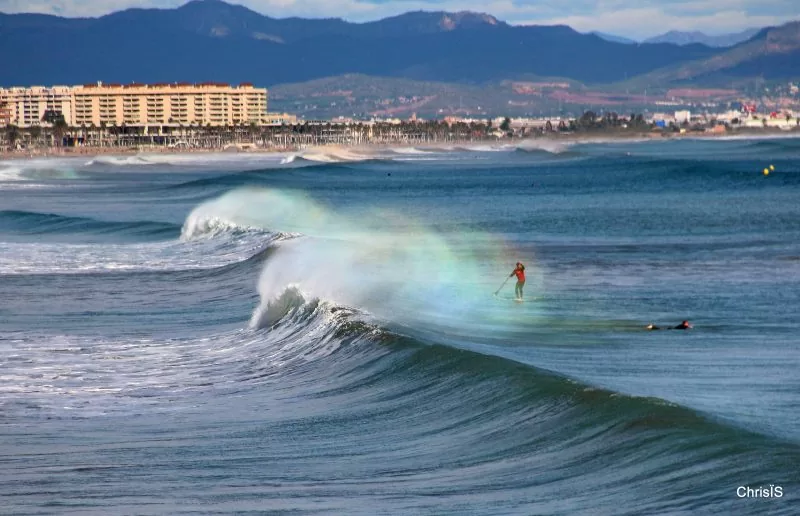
[[687, 38], [212, 40], [361, 95], [773, 53], [613, 38]]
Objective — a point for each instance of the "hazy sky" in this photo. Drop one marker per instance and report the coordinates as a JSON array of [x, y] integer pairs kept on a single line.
[[632, 18]]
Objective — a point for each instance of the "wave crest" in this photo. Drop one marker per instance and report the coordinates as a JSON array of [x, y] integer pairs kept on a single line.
[[209, 227], [270, 312]]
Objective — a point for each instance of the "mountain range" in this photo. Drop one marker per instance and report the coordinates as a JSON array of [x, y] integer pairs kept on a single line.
[[676, 37], [772, 53], [688, 38], [213, 40]]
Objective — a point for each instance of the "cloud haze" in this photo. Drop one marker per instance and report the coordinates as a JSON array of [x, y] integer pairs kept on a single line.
[[631, 18]]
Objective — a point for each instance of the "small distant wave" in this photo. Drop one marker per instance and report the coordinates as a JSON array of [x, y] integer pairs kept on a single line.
[[483, 148], [776, 145], [219, 160], [530, 145], [30, 173], [549, 146], [120, 161], [332, 156], [524, 147], [336, 156], [249, 177], [412, 151]]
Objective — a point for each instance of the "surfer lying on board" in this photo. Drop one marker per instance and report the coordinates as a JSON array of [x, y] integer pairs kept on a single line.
[[685, 325], [519, 271]]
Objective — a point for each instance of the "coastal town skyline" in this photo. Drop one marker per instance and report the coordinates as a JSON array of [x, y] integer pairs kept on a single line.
[[452, 64], [636, 21]]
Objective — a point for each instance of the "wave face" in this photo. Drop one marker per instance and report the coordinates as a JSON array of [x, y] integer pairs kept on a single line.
[[28, 223], [341, 336]]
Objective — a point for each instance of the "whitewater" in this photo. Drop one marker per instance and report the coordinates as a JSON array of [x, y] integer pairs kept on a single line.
[[318, 332]]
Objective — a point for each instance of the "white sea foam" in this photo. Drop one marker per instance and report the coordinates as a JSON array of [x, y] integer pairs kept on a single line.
[[52, 258], [89, 377], [198, 226], [192, 159], [335, 155], [129, 161], [411, 150], [10, 173]]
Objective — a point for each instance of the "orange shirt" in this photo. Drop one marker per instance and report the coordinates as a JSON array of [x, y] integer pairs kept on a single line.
[[520, 274]]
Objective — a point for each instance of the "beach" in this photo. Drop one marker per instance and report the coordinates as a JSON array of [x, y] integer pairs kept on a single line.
[[250, 147]]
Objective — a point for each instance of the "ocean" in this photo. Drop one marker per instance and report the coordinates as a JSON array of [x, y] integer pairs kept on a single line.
[[334, 331]]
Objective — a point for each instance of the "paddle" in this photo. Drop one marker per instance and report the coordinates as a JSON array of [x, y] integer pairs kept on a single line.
[[501, 286]]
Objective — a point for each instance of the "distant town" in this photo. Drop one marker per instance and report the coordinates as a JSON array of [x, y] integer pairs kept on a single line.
[[215, 115]]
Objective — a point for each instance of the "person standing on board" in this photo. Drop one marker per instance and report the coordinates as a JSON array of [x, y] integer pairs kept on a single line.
[[519, 271]]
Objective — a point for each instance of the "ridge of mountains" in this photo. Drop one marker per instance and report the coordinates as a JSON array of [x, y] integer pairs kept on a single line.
[[773, 53], [213, 40], [687, 38], [676, 37]]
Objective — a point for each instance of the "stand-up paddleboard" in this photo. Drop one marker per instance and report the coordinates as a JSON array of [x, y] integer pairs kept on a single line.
[[521, 300], [505, 298]]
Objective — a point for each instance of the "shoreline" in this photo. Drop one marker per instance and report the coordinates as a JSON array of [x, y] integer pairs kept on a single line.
[[569, 138]]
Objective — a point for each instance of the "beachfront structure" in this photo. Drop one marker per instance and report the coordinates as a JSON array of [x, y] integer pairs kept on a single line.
[[280, 119], [28, 106], [5, 114], [152, 106], [181, 104], [683, 116]]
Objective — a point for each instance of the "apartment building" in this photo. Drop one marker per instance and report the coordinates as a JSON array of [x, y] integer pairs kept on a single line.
[[204, 104], [137, 105], [27, 106], [5, 114]]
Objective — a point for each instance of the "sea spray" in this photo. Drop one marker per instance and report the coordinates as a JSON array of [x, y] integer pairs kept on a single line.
[[379, 262], [252, 208]]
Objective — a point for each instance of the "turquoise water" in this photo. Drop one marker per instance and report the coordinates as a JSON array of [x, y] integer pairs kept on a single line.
[[318, 333]]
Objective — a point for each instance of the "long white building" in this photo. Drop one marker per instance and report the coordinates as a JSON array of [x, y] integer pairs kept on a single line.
[[138, 105]]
